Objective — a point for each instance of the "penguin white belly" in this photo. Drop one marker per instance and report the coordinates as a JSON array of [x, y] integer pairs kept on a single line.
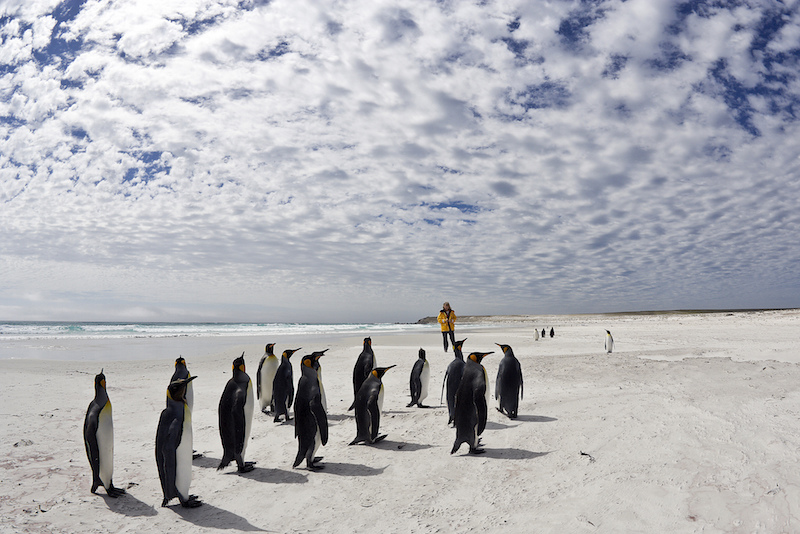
[[609, 344], [268, 371], [380, 400], [322, 390], [488, 393], [183, 456], [317, 442], [189, 396], [249, 406], [425, 379], [105, 445]]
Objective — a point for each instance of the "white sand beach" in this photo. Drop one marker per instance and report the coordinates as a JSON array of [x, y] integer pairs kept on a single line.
[[692, 424]]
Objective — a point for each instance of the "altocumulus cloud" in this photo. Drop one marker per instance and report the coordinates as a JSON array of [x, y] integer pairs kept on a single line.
[[365, 160]]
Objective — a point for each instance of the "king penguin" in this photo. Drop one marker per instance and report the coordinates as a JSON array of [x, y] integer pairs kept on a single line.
[[318, 368], [264, 378], [609, 342], [310, 419], [543, 334], [471, 408], [236, 416], [368, 406], [365, 363], [552, 332], [283, 386], [508, 386], [420, 378], [98, 436], [181, 371], [452, 378], [536, 334], [174, 446]]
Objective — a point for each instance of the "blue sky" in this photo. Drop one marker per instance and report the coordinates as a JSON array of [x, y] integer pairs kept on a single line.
[[367, 160]]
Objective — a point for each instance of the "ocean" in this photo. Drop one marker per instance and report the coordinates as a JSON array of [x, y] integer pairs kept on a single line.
[[140, 341]]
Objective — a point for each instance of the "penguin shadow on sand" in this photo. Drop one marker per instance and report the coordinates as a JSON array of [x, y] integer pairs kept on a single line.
[[259, 474], [130, 506], [209, 516], [493, 425], [510, 454], [388, 444], [350, 470]]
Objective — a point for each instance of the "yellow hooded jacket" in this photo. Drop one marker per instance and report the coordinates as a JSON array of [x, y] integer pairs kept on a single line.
[[447, 326]]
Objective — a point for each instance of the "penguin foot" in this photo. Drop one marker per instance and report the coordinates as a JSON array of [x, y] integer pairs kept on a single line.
[[191, 502], [197, 455], [420, 405], [316, 459], [115, 492], [476, 450], [247, 467], [410, 404], [164, 502], [378, 439]]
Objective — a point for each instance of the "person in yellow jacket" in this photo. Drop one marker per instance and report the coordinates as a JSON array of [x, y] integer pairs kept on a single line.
[[447, 319]]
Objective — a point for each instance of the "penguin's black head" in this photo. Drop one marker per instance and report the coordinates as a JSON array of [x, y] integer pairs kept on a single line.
[[478, 356], [367, 341], [308, 360], [380, 371], [459, 344], [608, 332], [504, 348], [421, 353], [177, 388], [269, 348], [100, 381], [238, 364], [288, 352], [180, 361]]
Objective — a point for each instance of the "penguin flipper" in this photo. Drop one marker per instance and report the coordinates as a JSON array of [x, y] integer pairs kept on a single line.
[[482, 411], [321, 419], [239, 423], [374, 418], [258, 377], [444, 381], [92, 448], [167, 440]]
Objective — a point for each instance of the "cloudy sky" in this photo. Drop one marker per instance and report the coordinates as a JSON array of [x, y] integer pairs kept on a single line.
[[363, 160]]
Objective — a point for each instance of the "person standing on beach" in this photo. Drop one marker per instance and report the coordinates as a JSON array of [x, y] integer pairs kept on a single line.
[[447, 319]]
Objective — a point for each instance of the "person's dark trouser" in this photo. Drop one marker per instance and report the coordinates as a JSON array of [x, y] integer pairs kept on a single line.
[[452, 335]]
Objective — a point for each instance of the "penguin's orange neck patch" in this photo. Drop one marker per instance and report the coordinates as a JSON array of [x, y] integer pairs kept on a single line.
[[375, 373]]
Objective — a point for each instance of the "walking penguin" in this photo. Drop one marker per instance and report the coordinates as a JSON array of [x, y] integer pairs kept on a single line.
[[236, 417], [265, 376], [508, 386], [174, 446], [452, 378], [420, 378], [471, 411], [368, 406], [610, 342], [365, 363], [283, 387], [98, 436], [310, 419]]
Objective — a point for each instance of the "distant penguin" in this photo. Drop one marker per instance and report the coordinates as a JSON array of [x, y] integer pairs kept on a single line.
[[174, 446], [310, 419], [552, 332], [508, 386], [543, 334], [365, 363], [452, 378], [536, 334], [236, 417], [264, 378], [609, 342], [283, 387], [419, 381], [368, 406], [471, 409], [98, 437]]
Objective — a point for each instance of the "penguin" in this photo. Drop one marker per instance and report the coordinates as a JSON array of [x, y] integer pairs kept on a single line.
[[609, 342], [283, 386], [181, 371], [536, 334], [310, 419], [543, 334], [264, 378], [452, 378], [508, 385], [420, 378], [552, 332], [236, 416], [365, 363], [471, 408], [318, 369], [368, 406], [98, 437], [174, 446]]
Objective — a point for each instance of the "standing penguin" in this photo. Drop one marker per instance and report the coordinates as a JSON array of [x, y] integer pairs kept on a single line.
[[543, 334], [368, 406], [609, 342], [98, 437], [536, 334], [174, 446], [310, 419], [508, 386], [318, 368], [552, 332], [236, 416], [420, 378], [471, 409], [365, 363], [283, 387], [452, 378], [264, 378]]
